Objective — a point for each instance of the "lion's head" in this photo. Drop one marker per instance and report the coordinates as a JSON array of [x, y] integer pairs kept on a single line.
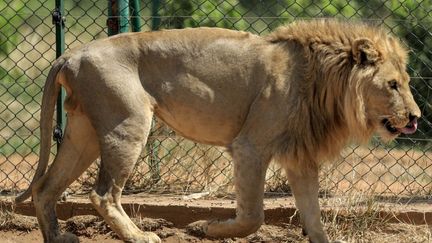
[[383, 86]]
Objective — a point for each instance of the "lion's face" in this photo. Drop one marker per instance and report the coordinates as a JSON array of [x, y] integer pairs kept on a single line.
[[389, 104]]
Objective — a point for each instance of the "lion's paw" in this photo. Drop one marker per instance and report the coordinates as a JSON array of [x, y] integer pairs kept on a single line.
[[146, 237], [66, 238], [198, 228]]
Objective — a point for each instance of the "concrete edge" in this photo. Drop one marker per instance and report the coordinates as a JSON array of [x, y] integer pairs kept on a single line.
[[181, 215]]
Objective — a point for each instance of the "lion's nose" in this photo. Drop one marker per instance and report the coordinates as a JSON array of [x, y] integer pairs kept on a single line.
[[414, 112], [412, 117]]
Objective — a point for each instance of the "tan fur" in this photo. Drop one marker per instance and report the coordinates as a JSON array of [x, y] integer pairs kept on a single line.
[[298, 96]]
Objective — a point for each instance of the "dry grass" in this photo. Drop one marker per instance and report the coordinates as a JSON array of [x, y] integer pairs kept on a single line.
[[172, 164], [388, 172], [356, 218], [353, 216], [181, 166]]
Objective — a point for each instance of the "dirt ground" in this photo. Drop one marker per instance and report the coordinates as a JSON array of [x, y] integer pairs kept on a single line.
[[91, 228], [355, 218], [23, 229]]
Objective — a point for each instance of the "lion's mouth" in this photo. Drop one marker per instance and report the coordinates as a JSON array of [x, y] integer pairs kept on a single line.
[[410, 128]]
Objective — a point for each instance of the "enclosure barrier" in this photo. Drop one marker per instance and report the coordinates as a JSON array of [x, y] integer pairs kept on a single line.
[[170, 163]]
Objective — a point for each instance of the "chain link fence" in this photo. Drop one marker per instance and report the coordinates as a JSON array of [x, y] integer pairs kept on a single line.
[[172, 164]]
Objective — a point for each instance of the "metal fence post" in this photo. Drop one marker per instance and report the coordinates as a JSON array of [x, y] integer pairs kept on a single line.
[[58, 20], [135, 16], [155, 14], [154, 161], [118, 16]]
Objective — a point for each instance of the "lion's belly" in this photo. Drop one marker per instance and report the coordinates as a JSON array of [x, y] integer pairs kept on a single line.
[[204, 110], [204, 123]]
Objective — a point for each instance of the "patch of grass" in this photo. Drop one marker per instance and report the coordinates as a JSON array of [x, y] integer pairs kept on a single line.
[[356, 218], [11, 221]]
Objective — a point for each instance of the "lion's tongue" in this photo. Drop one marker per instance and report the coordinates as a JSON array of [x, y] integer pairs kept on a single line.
[[410, 128]]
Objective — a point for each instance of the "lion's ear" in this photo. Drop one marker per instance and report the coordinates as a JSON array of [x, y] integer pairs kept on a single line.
[[364, 52]]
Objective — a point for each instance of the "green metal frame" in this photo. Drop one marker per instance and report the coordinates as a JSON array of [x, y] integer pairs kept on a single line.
[[155, 14], [59, 20], [154, 160], [135, 17], [118, 16]]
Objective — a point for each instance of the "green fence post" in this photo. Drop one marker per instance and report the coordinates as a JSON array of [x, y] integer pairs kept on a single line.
[[124, 15], [118, 16], [135, 16], [112, 22], [154, 161], [58, 20], [155, 14]]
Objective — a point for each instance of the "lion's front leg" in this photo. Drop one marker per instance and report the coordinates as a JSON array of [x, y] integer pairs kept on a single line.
[[304, 184], [250, 167]]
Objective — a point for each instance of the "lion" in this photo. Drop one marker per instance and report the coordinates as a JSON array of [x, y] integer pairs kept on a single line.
[[296, 96]]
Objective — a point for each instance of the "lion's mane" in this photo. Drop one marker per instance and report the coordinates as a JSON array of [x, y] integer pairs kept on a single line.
[[330, 110]]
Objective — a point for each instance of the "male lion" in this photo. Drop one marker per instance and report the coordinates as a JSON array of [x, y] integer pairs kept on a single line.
[[297, 95]]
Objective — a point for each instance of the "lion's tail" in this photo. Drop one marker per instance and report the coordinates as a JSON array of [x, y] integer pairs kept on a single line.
[[50, 94]]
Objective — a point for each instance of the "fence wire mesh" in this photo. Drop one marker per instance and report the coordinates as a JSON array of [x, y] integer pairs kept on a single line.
[[172, 164]]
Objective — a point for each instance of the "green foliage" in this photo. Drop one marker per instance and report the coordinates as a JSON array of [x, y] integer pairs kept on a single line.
[[9, 21], [19, 92]]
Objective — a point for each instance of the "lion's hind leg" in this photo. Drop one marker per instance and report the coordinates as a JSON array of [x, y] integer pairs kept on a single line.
[[77, 151], [120, 149]]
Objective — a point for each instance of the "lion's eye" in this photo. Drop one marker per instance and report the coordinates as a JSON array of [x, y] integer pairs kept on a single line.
[[393, 84]]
